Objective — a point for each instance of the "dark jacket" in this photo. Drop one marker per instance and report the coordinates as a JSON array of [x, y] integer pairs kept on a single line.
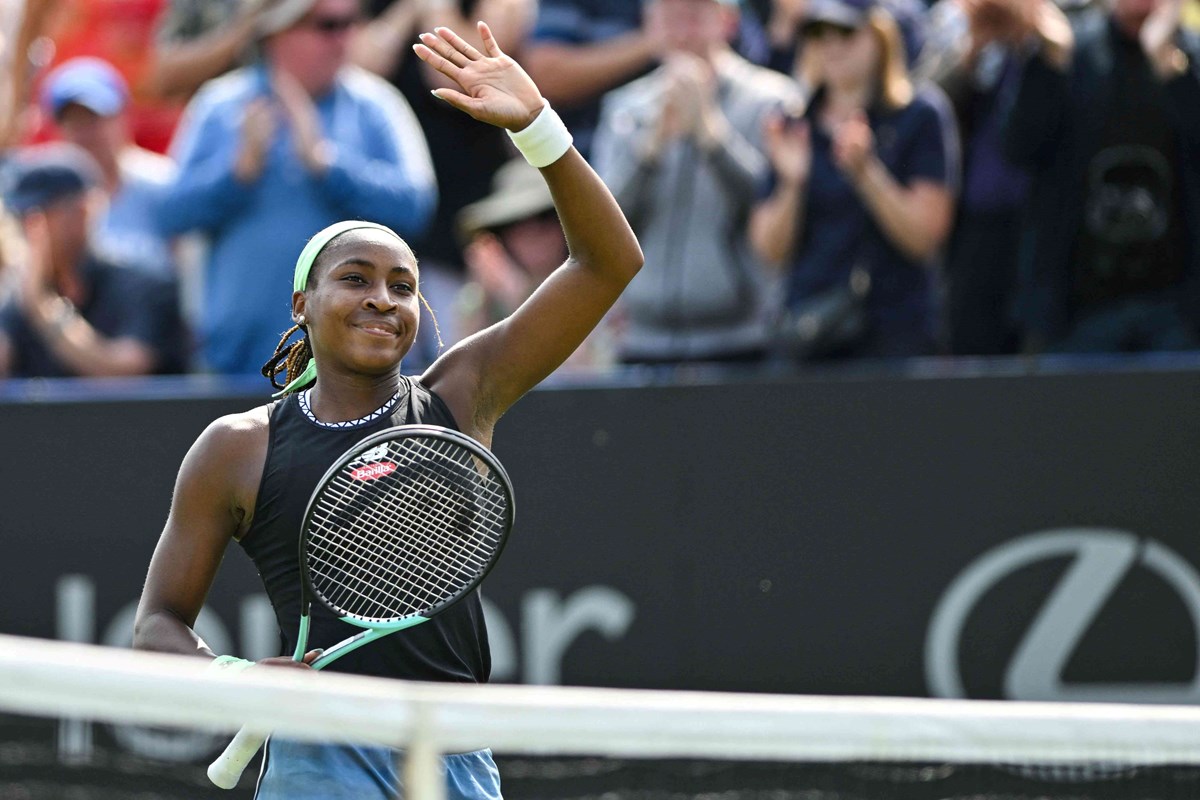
[[1052, 127]]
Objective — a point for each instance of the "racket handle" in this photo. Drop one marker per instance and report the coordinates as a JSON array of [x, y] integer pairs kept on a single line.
[[230, 765]]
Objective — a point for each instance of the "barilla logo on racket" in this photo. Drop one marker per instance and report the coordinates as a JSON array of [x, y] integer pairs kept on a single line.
[[377, 469]]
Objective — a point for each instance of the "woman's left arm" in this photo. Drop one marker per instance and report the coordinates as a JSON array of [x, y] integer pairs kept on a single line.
[[916, 217], [481, 377]]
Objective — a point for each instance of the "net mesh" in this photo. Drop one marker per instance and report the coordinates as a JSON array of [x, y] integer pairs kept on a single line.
[[73, 725], [406, 526]]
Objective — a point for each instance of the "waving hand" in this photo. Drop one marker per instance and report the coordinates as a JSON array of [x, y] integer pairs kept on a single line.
[[485, 374], [494, 88]]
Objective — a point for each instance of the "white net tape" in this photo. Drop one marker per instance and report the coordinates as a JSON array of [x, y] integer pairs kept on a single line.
[[44, 678]]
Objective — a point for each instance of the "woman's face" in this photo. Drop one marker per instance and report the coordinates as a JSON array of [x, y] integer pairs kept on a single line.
[[845, 57], [361, 306], [694, 26]]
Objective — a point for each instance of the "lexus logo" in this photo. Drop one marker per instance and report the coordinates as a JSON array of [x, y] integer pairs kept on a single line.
[[1100, 558]]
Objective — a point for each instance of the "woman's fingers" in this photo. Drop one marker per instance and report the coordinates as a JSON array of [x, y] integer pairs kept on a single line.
[[444, 49], [489, 41], [463, 102], [436, 60], [460, 44]]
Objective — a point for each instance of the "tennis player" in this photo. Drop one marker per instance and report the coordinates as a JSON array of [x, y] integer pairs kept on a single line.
[[356, 306]]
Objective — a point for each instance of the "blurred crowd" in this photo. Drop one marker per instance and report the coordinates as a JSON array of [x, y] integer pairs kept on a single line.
[[812, 181]]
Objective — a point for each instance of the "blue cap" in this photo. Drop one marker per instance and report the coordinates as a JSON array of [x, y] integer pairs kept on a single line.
[[91, 82], [34, 178], [730, 3], [847, 13]]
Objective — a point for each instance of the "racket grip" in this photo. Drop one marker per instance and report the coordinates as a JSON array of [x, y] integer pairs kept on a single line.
[[230, 765]]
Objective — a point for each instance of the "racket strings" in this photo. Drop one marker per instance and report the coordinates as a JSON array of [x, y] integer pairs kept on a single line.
[[446, 561], [438, 503], [342, 558], [386, 591], [350, 586], [345, 582], [402, 543]]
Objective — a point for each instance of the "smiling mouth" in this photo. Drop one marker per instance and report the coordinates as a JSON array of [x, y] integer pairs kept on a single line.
[[379, 330]]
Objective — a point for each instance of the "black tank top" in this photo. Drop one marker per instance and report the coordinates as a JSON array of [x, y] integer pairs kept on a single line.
[[452, 646]]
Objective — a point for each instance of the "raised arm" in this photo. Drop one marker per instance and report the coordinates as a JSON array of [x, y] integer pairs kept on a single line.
[[484, 375]]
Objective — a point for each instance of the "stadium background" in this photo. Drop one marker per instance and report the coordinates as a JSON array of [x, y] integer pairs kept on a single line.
[[845, 533], [777, 533]]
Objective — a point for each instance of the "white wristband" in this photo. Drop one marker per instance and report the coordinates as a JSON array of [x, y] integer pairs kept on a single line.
[[230, 665], [544, 140]]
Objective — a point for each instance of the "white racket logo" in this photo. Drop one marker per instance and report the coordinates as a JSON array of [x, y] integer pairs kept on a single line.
[[375, 453]]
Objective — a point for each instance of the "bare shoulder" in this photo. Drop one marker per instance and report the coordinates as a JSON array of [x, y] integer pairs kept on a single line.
[[235, 435], [224, 466]]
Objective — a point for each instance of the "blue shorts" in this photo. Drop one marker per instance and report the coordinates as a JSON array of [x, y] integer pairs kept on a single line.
[[296, 770]]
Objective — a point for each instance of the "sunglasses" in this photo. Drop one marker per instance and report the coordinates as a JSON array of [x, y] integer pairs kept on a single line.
[[332, 25], [820, 30]]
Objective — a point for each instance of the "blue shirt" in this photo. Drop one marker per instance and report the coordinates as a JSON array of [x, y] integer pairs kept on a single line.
[[128, 233], [917, 142], [380, 172]]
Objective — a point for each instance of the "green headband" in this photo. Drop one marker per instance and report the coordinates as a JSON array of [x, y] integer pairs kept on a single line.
[[304, 265]]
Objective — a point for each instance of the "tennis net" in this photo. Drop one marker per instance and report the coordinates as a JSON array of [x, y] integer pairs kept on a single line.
[[73, 724]]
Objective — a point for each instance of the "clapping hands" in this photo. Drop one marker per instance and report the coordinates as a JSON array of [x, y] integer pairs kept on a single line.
[[1157, 38], [853, 145], [288, 104], [789, 147]]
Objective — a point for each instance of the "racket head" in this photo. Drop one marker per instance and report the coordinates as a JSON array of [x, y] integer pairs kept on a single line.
[[403, 525]]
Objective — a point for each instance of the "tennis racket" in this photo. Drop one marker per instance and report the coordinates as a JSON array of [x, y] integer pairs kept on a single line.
[[403, 525]]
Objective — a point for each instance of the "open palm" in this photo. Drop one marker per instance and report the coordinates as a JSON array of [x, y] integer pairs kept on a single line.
[[494, 88]]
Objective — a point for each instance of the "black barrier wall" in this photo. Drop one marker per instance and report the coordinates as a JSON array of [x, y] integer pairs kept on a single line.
[[1028, 537]]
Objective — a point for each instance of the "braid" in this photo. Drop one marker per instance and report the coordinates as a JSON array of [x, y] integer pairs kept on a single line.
[[437, 329], [289, 359]]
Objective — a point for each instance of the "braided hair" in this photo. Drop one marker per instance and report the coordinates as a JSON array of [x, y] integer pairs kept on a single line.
[[291, 359]]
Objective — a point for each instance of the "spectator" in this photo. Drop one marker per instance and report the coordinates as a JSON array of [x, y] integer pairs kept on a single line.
[[198, 40], [73, 313], [863, 191], [681, 151], [783, 31], [514, 242], [787, 19], [87, 99], [581, 49], [981, 257], [122, 33], [465, 154], [272, 152], [21, 24], [1108, 121]]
